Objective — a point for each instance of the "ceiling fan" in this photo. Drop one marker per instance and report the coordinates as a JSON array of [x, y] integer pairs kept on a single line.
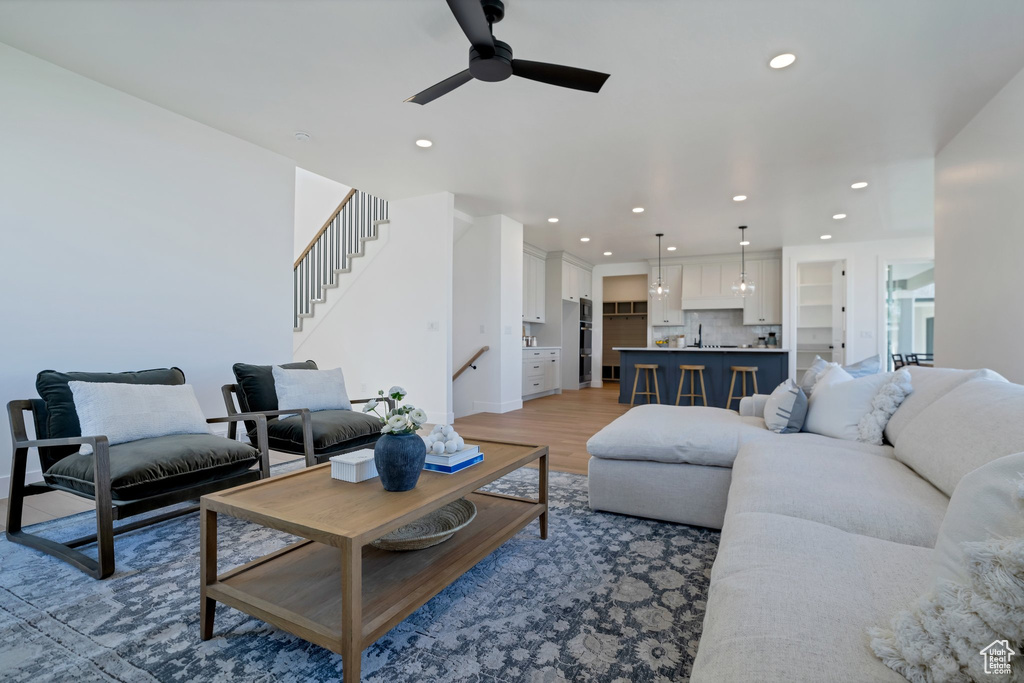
[[491, 60]]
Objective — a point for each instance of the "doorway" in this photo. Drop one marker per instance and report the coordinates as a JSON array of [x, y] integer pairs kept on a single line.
[[821, 313], [910, 311]]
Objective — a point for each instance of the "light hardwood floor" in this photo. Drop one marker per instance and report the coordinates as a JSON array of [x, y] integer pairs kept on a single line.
[[563, 422]]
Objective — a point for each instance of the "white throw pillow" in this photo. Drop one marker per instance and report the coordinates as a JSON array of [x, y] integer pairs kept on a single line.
[[883, 405], [786, 409], [129, 412], [839, 403], [810, 377], [977, 597], [313, 389]]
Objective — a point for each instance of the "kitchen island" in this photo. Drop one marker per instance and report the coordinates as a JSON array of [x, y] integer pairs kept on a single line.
[[772, 368]]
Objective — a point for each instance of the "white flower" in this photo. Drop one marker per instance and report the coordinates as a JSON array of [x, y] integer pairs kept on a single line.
[[418, 416], [396, 421], [397, 393], [370, 405], [385, 429]]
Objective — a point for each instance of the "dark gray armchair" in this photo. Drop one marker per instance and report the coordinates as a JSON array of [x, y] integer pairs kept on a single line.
[[314, 435], [125, 479]]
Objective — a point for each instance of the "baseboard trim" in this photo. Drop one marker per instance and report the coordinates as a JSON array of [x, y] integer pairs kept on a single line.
[[33, 477], [492, 407]]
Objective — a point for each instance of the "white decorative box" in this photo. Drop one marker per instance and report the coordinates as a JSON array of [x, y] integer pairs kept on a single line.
[[354, 467]]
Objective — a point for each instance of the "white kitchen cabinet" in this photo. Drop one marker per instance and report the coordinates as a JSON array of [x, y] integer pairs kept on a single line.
[[667, 311], [534, 280], [576, 282], [764, 307], [541, 371]]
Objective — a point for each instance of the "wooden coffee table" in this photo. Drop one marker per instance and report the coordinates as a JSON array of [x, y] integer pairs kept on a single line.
[[336, 590]]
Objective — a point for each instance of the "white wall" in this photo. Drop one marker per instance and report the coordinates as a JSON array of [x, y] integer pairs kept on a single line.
[[866, 264], [390, 319], [979, 240], [316, 198], [487, 311], [599, 274], [133, 238]]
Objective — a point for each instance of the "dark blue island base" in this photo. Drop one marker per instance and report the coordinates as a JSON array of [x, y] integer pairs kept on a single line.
[[772, 365]]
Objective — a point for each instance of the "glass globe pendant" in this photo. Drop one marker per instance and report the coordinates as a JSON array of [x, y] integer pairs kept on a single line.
[[744, 286], [659, 288]]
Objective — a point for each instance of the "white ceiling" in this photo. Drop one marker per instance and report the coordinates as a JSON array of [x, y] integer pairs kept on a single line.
[[691, 115]]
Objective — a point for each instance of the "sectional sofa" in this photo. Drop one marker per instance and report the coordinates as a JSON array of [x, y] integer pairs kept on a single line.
[[821, 538]]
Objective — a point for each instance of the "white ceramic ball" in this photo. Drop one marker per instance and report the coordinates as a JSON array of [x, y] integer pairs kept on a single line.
[[450, 447], [437, 448], [437, 429], [460, 443]]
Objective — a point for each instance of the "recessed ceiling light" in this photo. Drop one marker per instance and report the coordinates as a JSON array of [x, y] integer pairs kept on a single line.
[[740, 198], [584, 239], [424, 143], [638, 209], [301, 136], [826, 237], [839, 216], [607, 253], [745, 243], [671, 248], [859, 186], [782, 61], [552, 220]]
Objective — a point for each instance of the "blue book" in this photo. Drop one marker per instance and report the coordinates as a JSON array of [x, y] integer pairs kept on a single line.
[[452, 469]]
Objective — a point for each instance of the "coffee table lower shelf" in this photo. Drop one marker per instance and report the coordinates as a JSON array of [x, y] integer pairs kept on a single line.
[[299, 587]]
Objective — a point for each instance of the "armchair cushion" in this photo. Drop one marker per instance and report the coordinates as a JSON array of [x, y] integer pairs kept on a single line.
[[256, 389], [331, 429], [147, 467], [59, 419]]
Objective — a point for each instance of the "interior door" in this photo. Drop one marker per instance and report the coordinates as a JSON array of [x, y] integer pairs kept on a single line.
[[839, 312]]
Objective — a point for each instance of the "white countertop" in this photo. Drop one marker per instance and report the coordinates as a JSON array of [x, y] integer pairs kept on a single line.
[[690, 348], [538, 348]]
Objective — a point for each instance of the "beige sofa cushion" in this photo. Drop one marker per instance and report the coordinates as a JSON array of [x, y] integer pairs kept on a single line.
[[975, 423], [691, 434], [930, 384], [791, 600], [844, 488]]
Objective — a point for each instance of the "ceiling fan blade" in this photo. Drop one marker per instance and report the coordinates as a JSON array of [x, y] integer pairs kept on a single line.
[[471, 17], [555, 74], [442, 88]]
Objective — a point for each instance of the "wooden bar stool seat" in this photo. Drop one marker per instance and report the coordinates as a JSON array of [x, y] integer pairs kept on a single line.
[[742, 370], [693, 395], [648, 369]]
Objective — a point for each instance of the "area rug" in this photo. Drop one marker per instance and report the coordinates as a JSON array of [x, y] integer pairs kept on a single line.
[[606, 598]]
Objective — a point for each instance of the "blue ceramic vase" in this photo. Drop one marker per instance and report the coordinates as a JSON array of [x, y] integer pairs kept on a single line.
[[399, 460]]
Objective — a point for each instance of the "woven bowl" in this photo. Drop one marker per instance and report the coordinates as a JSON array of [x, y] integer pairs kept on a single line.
[[437, 527]]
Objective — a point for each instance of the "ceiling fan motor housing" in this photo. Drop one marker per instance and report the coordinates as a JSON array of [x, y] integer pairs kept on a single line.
[[496, 68]]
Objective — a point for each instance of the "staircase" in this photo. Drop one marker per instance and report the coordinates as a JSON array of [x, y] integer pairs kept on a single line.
[[342, 238]]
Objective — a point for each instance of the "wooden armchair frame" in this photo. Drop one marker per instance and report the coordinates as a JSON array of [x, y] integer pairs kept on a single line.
[[107, 509], [231, 404]]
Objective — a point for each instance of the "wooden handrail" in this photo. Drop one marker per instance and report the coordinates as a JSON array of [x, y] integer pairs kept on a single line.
[[470, 362], [327, 224]]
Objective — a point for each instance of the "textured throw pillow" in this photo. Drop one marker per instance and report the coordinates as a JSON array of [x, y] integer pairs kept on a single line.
[[883, 405], [839, 403], [977, 597], [129, 412], [786, 408], [312, 389]]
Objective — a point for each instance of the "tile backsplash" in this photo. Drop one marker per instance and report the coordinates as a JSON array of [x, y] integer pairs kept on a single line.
[[723, 326]]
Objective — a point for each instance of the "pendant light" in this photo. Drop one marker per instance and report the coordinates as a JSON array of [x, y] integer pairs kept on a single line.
[[659, 288], [744, 286]]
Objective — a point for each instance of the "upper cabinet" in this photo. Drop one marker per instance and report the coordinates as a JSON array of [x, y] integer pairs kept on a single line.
[[764, 307], [534, 280], [668, 310], [576, 282]]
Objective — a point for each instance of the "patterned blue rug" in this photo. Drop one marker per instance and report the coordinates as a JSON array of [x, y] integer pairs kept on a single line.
[[606, 598]]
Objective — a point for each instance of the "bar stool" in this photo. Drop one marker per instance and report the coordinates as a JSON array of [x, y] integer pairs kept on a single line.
[[649, 369], [742, 370], [693, 370]]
